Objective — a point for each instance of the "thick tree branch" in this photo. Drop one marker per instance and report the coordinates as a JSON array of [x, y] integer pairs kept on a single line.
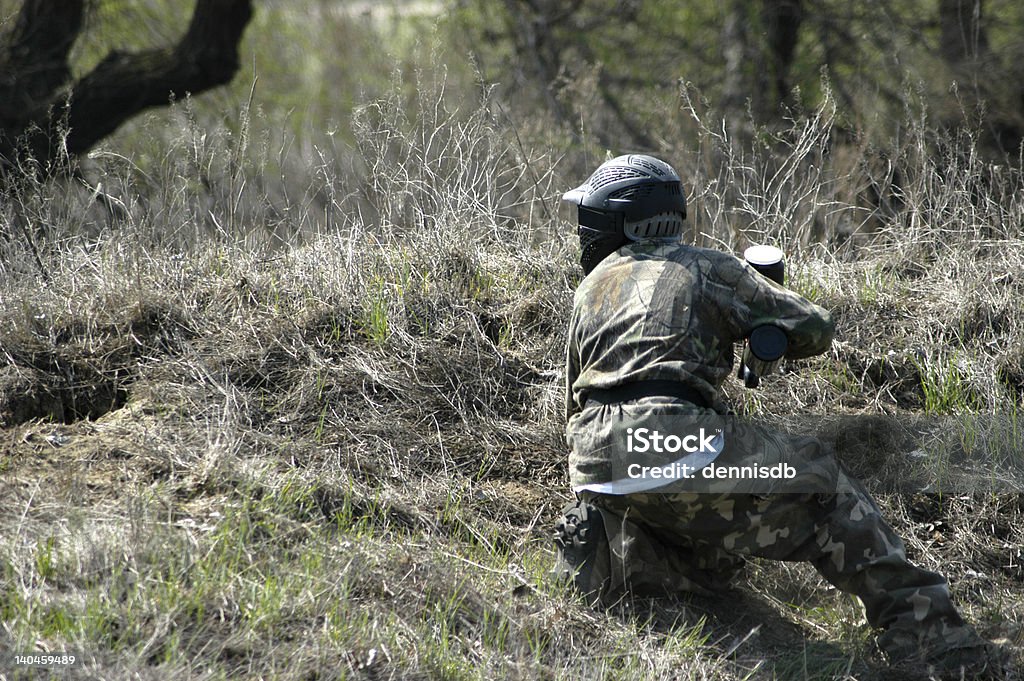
[[124, 84]]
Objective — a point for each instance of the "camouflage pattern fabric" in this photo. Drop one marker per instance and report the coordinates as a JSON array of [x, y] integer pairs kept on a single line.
[[658, 310], [655, 310], [697, 542]]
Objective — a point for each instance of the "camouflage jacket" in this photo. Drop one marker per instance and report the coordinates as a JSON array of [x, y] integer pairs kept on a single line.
[[665, 310]]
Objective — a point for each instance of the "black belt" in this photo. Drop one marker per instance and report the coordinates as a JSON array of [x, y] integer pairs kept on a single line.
[[634, 391]]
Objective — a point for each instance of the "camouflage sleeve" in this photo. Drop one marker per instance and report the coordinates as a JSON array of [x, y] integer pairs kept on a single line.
[[572, 369], [759, 300]]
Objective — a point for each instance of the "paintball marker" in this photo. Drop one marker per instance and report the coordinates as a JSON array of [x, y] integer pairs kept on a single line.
[[766, 344]]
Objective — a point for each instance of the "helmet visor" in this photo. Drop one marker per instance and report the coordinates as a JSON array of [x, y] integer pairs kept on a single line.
[[601, 221]]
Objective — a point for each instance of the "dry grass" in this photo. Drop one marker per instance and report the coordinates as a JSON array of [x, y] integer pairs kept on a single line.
[[223, 455]]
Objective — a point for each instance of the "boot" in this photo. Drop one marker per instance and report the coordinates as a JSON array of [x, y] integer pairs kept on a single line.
[[581, 549], [961, 654]]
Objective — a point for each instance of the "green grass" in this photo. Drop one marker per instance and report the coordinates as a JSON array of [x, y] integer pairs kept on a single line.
[[946, 387]]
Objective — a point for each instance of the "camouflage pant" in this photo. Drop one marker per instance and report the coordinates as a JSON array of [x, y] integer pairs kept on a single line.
[[696, 542]]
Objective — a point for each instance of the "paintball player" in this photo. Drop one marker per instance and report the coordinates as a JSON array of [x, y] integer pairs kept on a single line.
[[650, 343]]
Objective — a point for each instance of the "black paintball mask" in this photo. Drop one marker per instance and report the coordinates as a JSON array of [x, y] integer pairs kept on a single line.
[[600, 234], [626, 200]]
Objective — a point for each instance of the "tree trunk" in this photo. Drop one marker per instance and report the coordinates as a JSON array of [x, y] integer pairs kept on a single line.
[[963, 36], [782, 19], [737, 81], [757, 70], [986, 85], [48, 118]]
